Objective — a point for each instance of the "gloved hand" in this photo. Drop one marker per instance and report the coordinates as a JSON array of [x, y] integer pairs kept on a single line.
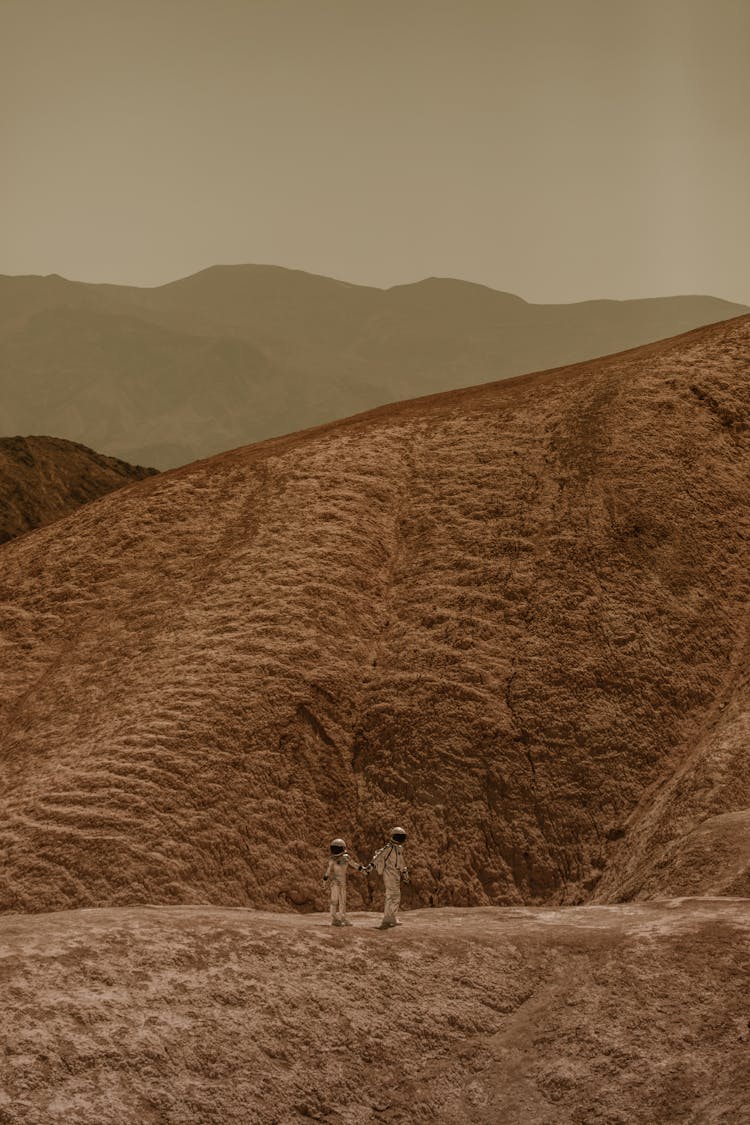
[[360, 867], [405, 876], [325, 880]]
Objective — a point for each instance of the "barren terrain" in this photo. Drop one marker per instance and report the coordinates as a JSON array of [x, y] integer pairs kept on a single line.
[[210, 1016], [43, 478], [513, 617]]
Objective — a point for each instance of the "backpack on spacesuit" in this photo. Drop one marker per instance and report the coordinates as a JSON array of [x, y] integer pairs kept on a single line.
[[378, 860]]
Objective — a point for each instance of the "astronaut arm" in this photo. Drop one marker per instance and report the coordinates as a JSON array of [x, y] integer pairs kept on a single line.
[[328, 870]]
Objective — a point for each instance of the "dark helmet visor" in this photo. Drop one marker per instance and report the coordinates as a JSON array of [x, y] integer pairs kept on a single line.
[[398, 837], [337, 849]]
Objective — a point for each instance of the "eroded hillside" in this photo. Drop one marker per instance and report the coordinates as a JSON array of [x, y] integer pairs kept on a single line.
[[44, 478], [512, 617]]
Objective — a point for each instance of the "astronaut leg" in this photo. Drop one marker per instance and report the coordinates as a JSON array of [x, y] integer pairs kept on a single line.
[[343, 920], [335, 904], [392, 899]]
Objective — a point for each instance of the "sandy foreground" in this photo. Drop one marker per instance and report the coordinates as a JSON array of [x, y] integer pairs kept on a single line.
[[638, 1012]]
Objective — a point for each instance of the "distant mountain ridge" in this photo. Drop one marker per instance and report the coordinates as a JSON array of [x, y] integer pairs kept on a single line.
[[235, 354]]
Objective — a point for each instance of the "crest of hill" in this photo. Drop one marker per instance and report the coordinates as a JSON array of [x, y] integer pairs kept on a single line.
[[240, 353], [513, 617], [44, 478]]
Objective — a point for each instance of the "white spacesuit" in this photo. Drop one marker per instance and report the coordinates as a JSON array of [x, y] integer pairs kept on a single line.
[[335, 878], [390, 863]]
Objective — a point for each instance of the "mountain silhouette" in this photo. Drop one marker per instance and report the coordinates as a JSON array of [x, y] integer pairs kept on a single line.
[[236, 354], [512, 617]]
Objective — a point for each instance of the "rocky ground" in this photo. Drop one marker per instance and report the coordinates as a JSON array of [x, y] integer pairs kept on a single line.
[[636, 1013], [44, 478]]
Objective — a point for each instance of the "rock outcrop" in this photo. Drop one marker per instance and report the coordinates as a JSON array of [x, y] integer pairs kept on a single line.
[[44, 478]]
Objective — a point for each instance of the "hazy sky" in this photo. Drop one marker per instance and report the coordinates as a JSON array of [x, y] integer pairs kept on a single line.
[[560, 149]]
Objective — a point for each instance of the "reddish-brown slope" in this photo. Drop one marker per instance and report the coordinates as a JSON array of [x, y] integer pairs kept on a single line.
[[500, 615], [43, 478]]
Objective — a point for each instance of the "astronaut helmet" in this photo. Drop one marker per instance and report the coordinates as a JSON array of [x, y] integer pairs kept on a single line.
[[398, 835], [338, 846]]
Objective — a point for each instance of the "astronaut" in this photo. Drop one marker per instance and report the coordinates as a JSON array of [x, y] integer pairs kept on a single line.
[[390, 863], [335, 878]]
